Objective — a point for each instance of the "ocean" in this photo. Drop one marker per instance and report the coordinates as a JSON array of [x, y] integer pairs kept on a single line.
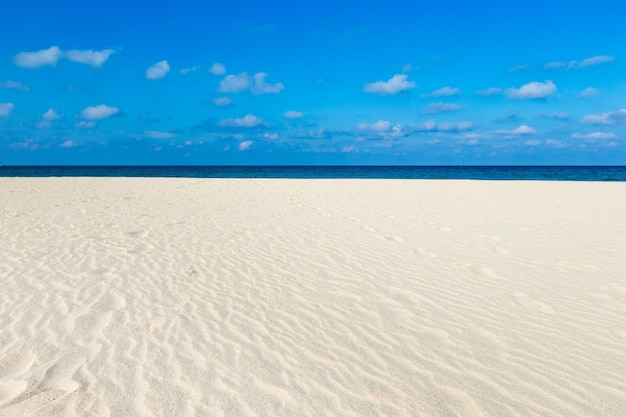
[[532, 173]]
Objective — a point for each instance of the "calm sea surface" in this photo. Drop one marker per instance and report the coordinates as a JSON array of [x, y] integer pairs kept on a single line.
[[545, 173]]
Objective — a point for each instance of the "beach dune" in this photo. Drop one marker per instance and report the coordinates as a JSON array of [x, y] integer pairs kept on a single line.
[[352, 298]]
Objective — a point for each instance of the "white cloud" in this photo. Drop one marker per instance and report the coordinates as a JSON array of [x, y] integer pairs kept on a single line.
[[432, 126], [249, 120], [408, 68], [158, 70], [311, 134], [291, 114], [427, 126], [14, 85], [271, 136], [6, 108], [379, 126], [594, 135], [235, 83], [38, 59], [556, 143], [261, 87], [520, 68], [217, 69], [224, 101], [383, 129], [155, 134], [99, 112], [491, 91], [519, 131], [51, 114], [532, 142], [68, 144], [440, 108], [589, 92], [610, 118], [456, 127], [85, 125], [444, 92], [556, 115], [532, 90], [244, 146], [595, 60], [186, 71], [89, 56], [557, 64], [589, 62], [396, 84]]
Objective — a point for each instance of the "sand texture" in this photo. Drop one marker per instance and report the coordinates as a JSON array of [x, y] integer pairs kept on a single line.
[[352, 298]]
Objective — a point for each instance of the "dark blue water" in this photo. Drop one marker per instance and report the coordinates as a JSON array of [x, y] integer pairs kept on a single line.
[[546, 173]]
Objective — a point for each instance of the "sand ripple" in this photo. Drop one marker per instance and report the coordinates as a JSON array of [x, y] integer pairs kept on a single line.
[[184, 297]]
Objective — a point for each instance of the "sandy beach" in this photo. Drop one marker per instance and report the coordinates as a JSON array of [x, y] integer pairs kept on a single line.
[[352, 298]]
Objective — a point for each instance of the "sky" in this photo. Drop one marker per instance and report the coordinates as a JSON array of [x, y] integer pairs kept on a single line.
[[317, 83]]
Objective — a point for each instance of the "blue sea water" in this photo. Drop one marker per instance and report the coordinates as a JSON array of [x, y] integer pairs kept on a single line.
[[542, 173]]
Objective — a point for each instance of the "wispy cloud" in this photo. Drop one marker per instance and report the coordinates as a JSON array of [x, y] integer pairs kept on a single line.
[[523, 67], [85, 125], [609, 118], [224, 101], [271, 136], [244, 146], [508, 118], [491, 91], [432, 126], [444, 92], [188, 70], [559, 115], [68, 144], [589, 92], [519, 131], [311, 134], [382, 129], [6, 109], [394, 85], [158, 70], [558, 64], [595, 60], [594, 135], [292, 114], [435, 108], [588, 62], [249, 120], [156, 134], [14, 85], [532, 91]]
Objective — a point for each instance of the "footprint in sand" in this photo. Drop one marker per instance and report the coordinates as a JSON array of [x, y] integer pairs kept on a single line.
[[395, 239], [11, 371], [479, 270], [525, 301]]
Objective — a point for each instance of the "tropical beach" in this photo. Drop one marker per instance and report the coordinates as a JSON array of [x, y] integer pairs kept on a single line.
[[284, 297]]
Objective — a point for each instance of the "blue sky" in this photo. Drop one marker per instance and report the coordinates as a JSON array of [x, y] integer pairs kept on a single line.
[[315, 83]]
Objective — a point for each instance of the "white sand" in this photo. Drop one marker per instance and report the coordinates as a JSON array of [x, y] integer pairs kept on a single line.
[[199, 297]]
